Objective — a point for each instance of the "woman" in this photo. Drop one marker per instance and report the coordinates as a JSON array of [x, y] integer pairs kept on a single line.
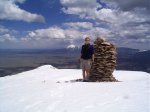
[[86, 58]]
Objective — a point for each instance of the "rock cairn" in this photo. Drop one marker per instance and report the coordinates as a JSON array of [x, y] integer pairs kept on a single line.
[[104, 61]]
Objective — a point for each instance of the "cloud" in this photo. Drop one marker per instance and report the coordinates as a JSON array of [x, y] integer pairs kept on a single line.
[[9, 10], [125, 23], [70, 33], [79, 25], [89, 10], [128, 5], [122, 22], [80, 4], [49, 33], [83, 8], [7, 37], [62, 36], [3, 29], [108, 15]]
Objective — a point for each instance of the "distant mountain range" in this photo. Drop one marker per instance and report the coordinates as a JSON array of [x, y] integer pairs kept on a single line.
[[18, 60], [133, 59], [129, 59]]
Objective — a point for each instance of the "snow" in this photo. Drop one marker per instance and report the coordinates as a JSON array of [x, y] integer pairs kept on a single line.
[[71, 46], [38, 91]]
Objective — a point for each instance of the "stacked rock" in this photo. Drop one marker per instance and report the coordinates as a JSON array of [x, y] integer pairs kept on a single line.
[[104, 61]]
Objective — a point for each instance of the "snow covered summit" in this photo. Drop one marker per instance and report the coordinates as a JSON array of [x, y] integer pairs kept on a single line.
[[38, 91], [72, 46]]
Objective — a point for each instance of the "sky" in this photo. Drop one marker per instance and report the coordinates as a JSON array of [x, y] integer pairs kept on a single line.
[[52, 24]]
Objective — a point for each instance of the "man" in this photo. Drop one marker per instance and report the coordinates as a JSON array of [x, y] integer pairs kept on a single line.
[[86, 58]]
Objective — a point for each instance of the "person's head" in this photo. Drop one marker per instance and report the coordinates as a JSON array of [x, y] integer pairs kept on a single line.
[[87, 40]]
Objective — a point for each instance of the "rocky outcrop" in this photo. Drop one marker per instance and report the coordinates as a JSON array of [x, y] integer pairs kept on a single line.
[[104, 61]]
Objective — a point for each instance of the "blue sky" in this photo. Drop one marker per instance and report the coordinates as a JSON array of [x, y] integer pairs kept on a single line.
[[61, 23]]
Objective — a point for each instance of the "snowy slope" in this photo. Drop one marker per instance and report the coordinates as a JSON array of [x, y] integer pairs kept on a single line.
[[38, 91]]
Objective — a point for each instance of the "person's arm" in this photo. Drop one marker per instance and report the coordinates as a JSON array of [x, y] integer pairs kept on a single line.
[[80, 56], [92, 53], [92, 57]]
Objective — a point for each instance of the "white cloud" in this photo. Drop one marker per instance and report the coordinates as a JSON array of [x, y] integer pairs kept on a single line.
[[83, 8], [68, 31], [127, 5], [7, 37], [78, 25], [123, 25], [53, 33], [80, 3], [10, 11], [72, 34], [3, 29], [125, 22], [114, 16], [60, 37], [49, 33], [89, 11]]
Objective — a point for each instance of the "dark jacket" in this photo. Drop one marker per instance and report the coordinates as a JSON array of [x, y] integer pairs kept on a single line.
[[87, 51]]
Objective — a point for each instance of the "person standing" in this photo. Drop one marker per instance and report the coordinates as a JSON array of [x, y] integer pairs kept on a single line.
[[86, 58]]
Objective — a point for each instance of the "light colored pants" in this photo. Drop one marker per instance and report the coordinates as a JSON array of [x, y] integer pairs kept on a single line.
[[86, 64]]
